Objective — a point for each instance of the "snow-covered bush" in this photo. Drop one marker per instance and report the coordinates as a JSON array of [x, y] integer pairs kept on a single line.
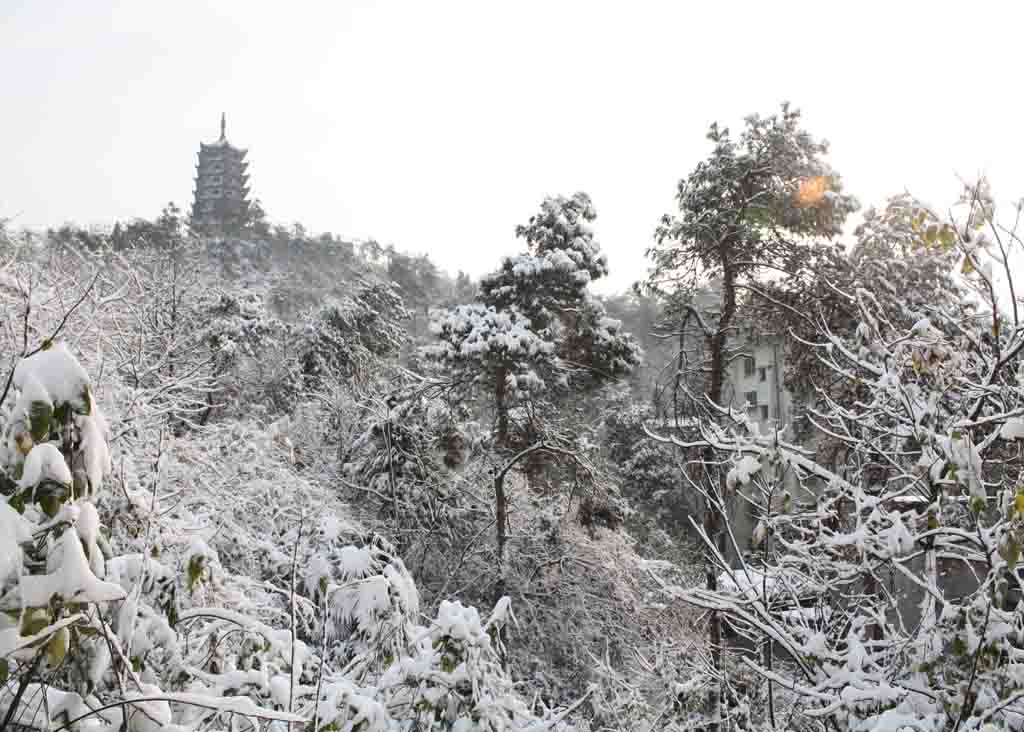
[[346, 336], [891, 582], [53, 462], [212, 586], [248, 346], [649, 471]]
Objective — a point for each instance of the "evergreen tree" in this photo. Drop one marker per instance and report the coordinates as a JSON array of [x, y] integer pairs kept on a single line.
[[744, 209], [548, 284], [537, 329]]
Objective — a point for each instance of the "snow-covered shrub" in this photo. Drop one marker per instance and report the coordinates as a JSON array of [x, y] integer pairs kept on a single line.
[[248, 351], [53, 461], [649, 472], [240, 596], [891, 582], [409, 442], [239, 256], [345, 336]]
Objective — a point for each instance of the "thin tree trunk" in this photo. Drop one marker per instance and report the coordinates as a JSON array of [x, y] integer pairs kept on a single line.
[[713, 518], [679, 372], [502, 409], [501, 521], [769, 646], [500, 499], [501, 515]]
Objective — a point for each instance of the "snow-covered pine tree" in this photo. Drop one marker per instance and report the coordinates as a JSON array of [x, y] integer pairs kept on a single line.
[[549, 285], [537, 333], [743, 210]]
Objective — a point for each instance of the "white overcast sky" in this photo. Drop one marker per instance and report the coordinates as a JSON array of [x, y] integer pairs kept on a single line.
[[438, 126]]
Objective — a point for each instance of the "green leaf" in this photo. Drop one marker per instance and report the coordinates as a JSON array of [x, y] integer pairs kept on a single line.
[[5, 671], [34, 621], [86, 401], [50, 505], [57, 647], [195, 570], [39, 414], [947, 237], [1009, 550], [62, 413], [17, 502], [8, 486], [50, 495]]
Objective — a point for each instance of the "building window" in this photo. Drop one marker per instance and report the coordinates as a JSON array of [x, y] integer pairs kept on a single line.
[[216, 193], [752, 398], [764, 411], [762, 373], [216, 180], [748, 366]]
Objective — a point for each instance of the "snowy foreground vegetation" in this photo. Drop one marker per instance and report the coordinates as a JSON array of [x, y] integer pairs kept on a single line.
[[269, 481]]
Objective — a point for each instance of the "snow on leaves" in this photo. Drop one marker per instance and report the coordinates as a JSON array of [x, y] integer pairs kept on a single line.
[[153, 635], [54, 374], [70, 577], [492, 342], [915, 539]]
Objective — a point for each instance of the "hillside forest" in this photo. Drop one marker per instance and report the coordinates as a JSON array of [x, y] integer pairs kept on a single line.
[[275, 480]]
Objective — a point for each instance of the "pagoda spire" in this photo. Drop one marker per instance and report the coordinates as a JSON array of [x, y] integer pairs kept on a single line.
[[223, 127]]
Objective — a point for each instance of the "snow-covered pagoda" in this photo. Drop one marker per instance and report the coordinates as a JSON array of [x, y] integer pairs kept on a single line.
[[221, 205]]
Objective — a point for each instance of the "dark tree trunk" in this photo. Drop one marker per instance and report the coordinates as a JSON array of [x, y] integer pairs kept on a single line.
[[501, 499], [713, 518], [502, 409]]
